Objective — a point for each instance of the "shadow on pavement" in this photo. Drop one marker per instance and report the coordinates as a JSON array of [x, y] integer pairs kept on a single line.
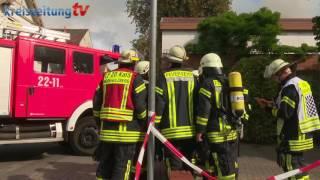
[[22, 152]]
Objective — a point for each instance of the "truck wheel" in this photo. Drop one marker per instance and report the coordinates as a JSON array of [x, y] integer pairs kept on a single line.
[[84, 139]]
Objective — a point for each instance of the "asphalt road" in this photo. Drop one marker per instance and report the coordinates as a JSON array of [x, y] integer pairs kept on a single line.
[[53, 162], [43, 161]]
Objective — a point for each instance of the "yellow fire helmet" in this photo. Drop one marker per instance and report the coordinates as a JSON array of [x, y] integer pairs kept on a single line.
[[274, 67], [128, 56], [142, 67], [211, 60], [177, 54]]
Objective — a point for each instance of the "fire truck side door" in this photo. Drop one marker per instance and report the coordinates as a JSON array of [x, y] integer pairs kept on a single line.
[[46, 95]]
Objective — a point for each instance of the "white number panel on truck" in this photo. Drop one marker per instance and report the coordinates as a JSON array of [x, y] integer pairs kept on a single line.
[[46, 81]]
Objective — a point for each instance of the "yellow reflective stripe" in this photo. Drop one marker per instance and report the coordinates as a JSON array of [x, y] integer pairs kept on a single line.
[[158, 119], [142, 115], [218, 137], [116, 117], [117, 77], [289, 162], [126, 133], [274, 112], [301, 145], [202, 121], [245, 91], [120, 127], [124, 96], [217, 85], [179, 128], [230, 177], [179, 132], [121, 136], [96, 113], [178, 74], [159, 91], [245, 116], [216, 162], [120, 139], [307, 177], [124, 126], [220, 124], [190, 97], [127, 173], [172, 104], [205, 92], [116, 111], [288, 101], [140, 88], [309, 125]]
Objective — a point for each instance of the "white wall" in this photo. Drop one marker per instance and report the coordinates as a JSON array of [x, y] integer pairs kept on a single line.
[[296, 39], [171, 38]]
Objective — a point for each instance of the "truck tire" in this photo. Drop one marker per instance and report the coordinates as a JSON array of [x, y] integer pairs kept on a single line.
[[84, 139]]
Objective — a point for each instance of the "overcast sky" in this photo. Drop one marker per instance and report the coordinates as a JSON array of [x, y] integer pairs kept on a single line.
[[109, 24]]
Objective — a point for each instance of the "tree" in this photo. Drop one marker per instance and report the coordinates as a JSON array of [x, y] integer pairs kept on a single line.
[[139, 11], [232, 36], [316, 29]]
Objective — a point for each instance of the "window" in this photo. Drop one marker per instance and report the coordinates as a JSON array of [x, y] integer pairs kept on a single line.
[[49, 60], [82, 63]]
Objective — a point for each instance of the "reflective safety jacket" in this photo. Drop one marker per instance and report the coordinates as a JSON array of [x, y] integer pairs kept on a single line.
[[120, 104], [210, 120], [297, 115], [175, 95]]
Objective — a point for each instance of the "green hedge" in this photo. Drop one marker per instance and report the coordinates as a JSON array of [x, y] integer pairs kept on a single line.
[[261, 126]]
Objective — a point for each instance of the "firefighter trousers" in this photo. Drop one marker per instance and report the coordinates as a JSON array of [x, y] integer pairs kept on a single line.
[[224, 159], [186, 147], [115, 161], [290, 161]]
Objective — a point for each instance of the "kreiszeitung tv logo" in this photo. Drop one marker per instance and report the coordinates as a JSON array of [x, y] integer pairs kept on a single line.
[[76, 10]]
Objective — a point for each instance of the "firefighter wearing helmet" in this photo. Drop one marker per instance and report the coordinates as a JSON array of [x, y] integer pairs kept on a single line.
[[175, 93], [215, 120], [142, 68], [296, 113], [121, 99]]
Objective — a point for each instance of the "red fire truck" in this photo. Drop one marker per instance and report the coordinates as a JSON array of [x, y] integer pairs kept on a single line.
[[46, 90]]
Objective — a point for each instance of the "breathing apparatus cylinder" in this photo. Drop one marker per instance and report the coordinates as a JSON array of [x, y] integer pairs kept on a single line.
[[236, 94]]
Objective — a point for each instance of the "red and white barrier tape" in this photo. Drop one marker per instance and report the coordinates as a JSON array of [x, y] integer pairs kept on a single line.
[[176, 152], [157, 134], [152, 115], [295, 172]]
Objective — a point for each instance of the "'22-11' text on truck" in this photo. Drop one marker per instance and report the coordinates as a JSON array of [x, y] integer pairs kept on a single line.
[[46, 91]]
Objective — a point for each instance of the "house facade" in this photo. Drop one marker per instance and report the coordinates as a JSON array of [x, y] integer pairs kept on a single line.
[[182, 30]]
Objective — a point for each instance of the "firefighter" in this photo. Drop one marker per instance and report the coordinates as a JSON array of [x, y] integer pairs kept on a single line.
[[122, 101], [142, 68], [296, 115], [213, 120], [175, 94]]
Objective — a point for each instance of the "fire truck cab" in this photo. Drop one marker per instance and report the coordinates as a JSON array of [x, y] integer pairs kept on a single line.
[[46, 91]]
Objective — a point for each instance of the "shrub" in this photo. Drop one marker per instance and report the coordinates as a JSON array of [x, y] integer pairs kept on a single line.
[[261, 127]]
